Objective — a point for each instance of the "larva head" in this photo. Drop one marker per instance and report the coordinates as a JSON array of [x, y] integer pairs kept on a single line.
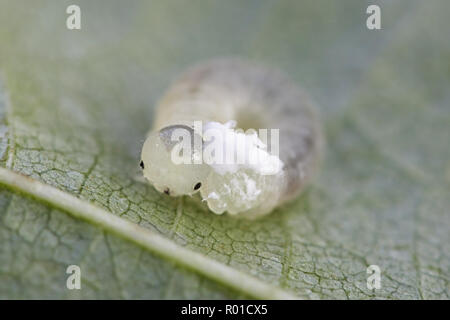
[[168, 161]]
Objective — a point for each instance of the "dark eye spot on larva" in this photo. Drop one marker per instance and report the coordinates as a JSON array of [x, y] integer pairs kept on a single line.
[[167, 191], [197, 186], [141, 164]]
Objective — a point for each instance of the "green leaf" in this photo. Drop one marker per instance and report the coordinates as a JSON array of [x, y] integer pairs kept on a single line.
[[75, 106]]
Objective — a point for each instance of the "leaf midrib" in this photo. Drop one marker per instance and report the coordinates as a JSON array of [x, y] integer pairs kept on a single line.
[[143, 237]]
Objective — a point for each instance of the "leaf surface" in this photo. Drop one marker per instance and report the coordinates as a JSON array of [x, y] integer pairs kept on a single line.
[[75, 107]]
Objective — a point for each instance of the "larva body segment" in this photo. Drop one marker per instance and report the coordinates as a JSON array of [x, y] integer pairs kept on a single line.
[[255, 97]]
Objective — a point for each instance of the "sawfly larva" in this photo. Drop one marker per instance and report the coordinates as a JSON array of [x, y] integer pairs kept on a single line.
[[221, 95]]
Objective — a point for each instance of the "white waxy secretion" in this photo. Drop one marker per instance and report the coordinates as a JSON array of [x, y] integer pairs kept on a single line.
[[223, 95]]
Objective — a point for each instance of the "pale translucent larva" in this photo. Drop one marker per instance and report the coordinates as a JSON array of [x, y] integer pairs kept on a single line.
[[215, 93]]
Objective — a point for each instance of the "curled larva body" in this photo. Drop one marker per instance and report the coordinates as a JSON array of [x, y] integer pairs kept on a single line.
[[221, 94]]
